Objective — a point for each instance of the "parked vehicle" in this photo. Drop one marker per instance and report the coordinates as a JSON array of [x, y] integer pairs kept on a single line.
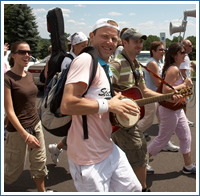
[[36, 70], [32, 61], [144, 56]]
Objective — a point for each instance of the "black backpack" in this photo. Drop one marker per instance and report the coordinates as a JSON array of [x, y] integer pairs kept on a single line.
[[52, 120], [42, 77]]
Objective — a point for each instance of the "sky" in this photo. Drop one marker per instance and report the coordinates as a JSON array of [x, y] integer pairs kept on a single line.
[[150, 18]]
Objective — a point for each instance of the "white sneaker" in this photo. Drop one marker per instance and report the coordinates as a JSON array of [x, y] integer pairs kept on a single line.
[[149, 169], [54, 152], [171, 147], [190, 123]]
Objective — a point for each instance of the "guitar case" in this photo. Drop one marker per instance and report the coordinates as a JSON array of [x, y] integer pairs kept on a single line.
[[55, 26]]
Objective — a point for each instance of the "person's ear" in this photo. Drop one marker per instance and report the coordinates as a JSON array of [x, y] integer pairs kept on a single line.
[[91, 36], [124, 42]]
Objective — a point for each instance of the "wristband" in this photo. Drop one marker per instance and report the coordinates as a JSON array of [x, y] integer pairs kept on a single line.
[[27, 138], [103, 106]]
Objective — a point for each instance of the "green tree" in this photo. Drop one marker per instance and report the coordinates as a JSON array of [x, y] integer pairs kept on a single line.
[[19, 24], [7, 21], [192, 55], [175, 39], [150, 39], [66, 40], [43, 46]]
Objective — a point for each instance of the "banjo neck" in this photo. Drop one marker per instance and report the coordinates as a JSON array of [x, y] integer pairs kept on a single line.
[[136, 94], [154, 99]]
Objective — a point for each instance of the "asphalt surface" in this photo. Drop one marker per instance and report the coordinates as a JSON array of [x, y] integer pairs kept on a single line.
[[168, 177]]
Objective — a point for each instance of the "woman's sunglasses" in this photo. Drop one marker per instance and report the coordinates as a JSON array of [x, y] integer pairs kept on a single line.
[[183, 52], [23, 52]]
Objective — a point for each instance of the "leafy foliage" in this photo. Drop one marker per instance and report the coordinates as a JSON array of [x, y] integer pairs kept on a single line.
[[192, 55], [43, 46], [19, 24], [150, 39]]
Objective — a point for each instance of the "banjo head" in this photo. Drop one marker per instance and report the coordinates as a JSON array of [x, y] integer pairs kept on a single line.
[[133, 119]]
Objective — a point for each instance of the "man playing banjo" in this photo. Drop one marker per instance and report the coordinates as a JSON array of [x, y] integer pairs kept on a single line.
[[127, 74]]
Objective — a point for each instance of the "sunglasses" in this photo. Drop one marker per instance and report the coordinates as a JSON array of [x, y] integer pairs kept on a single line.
[[190, 45], [23, 52], [183, 52]]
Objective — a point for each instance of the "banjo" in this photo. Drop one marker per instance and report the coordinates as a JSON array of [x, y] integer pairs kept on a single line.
[[134, 96]]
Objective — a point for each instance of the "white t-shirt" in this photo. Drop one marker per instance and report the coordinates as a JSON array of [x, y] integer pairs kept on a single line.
[[186, 65], [67, 61], [99, 145]]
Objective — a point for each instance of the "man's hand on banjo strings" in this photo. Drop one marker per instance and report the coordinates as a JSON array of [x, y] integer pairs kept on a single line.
[[119, 106]]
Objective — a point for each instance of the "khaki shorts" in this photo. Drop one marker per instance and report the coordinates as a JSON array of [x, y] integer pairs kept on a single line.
[[15, 156], [133, 143]]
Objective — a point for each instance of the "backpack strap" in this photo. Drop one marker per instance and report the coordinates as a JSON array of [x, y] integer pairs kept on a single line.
[[92, 51], [69, 56], [109, 80], [133, 70]]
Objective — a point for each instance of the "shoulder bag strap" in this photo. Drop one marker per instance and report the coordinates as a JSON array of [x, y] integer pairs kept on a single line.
[[134, 74], [92, 51]]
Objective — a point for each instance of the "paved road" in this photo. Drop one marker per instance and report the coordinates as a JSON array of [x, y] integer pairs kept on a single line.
[[167, 165]]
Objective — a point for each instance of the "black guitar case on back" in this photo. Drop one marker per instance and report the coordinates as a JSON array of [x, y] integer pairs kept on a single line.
[[55, 26]]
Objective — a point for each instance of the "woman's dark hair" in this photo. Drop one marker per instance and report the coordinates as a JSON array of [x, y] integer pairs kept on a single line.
[[154, 45], [13, 49], [169, 56], [121, 33]]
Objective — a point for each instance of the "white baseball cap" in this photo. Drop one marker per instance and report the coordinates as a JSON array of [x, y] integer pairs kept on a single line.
[[104, 22], [77, 38]]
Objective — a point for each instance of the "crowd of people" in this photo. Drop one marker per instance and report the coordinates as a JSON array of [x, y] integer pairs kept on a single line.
[[108, 161]]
